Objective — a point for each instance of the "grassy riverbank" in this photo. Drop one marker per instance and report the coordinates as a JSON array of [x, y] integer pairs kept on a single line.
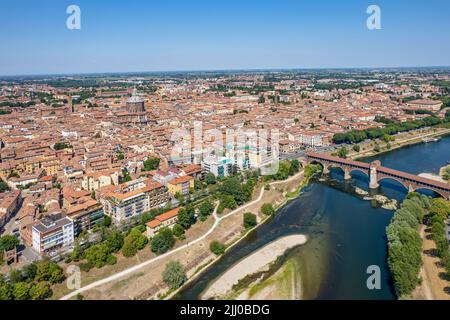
[[234, 283], [300, 180], [376, 147]]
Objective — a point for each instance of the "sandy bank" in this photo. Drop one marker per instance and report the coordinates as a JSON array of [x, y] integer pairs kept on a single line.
[[432, 176], [253, 263]]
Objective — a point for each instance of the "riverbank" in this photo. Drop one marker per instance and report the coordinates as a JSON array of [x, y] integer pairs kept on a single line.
[[432, 176], [278, 203], [402, 140], [434, 286], [257, 262], [194, 254]]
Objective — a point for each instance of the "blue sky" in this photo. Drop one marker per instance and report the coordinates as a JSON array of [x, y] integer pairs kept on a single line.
[[148, 35]]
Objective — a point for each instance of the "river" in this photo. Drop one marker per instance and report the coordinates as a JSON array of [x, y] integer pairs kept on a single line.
[[346, 234]]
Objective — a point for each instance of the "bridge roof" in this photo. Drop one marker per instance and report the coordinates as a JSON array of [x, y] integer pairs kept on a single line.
[[327, 157], [414, 178], [388, 171]]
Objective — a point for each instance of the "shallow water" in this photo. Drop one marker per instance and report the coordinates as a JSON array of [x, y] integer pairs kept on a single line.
[[346, 234]]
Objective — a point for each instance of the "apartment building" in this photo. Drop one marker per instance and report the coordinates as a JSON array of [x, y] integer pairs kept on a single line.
[[52, 233], [85, 215], [9, 204], [220, 167], [133, 198], [167, 219], [95, 180], [181, 185]]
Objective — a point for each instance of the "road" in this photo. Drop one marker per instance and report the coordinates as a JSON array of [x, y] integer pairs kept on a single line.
[[217, 220]]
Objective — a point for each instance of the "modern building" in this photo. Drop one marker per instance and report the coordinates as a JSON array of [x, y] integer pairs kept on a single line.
[[133, 198], [51, 234], [220, 167], [181, 185], [85, 215]]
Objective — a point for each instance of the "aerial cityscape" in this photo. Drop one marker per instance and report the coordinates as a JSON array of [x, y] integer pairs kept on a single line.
[[203, 182]]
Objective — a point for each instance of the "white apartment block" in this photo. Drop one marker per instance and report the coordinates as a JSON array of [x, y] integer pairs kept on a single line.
[[51, 234], [220, 167], [134, 198]]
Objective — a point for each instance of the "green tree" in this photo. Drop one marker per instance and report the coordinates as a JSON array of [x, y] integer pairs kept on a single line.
[[295, 167], [114, 240], [267, 209], [217, 248], [61, 146], [40, 291], [186, 216], [16, 275], [99, 255], [126, 176], [210, 178], [134, 242], [106, 221], [232, 186], [205, 209], [162, 241], [6, 290], [30, 271], [446, 173], [343, 152], [8, 242], [356, 148], [405, 244], [47, 270], [21, 291], [174, 275], [151, 163], [227, 201], [440, 207], [376, 148], [249, 220], [3, 186], [178, 231]]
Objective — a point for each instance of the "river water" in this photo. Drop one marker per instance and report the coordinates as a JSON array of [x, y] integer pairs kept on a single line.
[[346, 234]]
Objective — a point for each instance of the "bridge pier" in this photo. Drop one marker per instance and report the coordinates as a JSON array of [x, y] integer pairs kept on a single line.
[[374, 184], [347, 175], [373, 179], [377, 173]]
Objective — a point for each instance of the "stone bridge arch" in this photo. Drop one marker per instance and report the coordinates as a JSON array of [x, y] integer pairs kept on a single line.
[[439, 192], [407, 187]]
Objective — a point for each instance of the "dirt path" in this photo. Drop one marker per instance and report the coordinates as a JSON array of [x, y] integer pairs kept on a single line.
[[433, 286], [193, 253]]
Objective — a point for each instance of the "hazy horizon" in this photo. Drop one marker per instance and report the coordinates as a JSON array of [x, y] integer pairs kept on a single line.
[[199, 35]]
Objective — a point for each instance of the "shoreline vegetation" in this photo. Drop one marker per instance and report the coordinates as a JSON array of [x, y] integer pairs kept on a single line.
[[376, 147], [407, 243], [309, 172], [288, 196]]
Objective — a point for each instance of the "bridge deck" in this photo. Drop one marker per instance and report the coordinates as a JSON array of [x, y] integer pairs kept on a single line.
[[408, 177], [414, 178], [327, 157]]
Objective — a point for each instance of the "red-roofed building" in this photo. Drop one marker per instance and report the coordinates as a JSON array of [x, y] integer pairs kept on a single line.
[[165, 220]]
